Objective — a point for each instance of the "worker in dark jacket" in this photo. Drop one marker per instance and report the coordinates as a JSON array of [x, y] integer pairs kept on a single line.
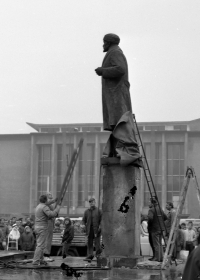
[[156, 220], [192, 267], [27, 240], [170, 216], [68, 236], [92, 221], [5, 231]]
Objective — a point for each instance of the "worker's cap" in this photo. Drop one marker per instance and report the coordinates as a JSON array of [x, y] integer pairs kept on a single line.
[[153, 200], [170, 204], [15, 225], [91, 199], [27, 227]]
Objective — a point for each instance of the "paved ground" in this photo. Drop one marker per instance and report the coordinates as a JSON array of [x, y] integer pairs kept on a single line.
[[115, 274], [58, 274]]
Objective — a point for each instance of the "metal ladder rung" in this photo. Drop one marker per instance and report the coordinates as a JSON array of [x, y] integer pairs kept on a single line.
[[146, 169]]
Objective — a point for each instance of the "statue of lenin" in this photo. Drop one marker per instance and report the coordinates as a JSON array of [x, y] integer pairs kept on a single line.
[[117, 109]]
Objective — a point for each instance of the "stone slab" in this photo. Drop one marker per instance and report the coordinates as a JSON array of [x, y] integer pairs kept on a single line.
[[15, 255]]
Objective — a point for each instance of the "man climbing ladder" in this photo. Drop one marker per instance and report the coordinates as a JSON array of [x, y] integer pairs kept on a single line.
[[158, 214]]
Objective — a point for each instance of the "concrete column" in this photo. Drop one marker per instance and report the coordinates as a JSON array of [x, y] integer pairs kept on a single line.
[[185, 167], [120, 231], [54, 168], [75, 180], [33, 175], [164, 171], [64, 153], [64, 209], [152, 156], [85, 168], [97, 167]]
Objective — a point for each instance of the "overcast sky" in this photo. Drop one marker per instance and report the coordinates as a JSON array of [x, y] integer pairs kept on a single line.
[[49, 50]]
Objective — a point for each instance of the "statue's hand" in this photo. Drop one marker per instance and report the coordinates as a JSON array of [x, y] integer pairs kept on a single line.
[[99, 71]]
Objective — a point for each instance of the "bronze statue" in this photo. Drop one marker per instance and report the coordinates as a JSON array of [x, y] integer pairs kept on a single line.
[[117, 109], [115, 85]]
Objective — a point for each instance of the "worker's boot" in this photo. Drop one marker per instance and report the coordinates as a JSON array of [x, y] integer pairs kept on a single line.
[[89, 258]]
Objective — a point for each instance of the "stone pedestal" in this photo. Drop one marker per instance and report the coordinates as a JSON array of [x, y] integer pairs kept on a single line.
[[120, 231]]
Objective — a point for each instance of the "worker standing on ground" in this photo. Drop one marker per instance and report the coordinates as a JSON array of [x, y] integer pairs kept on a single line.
[[42, 215], [68, 236], [47, 250], [156, 220], [170, 217], [150, 234], [190, 237], [92, 221]]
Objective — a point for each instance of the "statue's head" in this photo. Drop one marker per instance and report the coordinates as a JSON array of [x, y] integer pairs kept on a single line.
[[110, 39]]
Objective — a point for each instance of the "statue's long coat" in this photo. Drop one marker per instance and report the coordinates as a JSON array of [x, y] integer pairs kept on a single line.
[[115, 87]]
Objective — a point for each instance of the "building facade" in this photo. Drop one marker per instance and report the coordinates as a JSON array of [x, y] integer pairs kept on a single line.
[[35, 163]]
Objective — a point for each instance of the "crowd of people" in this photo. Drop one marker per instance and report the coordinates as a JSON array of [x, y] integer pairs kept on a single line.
[[22, 230], [159, 226]]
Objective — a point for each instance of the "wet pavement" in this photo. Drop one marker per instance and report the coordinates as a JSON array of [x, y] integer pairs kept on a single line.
[[114, 274], [55, 273]]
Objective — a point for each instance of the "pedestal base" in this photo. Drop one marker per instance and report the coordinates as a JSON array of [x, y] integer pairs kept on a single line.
[[119, 261], [120, 231]]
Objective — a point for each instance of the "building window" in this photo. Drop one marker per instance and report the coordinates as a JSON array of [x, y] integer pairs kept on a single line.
[[157, 180], [44, 169], [61, 172], [86, 168], [175, 170], [91, 170]]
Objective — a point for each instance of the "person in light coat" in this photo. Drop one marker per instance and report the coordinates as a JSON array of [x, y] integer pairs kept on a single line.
[[42, 215]]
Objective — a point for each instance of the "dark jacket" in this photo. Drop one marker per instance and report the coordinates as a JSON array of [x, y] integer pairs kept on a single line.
[[115, 87], [1, 236], [5, 231], [27, 241], [192, 267], [68, 234], [94, 215], [155, 222], [21, 230]]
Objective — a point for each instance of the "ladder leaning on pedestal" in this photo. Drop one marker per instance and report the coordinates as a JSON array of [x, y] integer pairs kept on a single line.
[[173, 232], [149, 180]]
